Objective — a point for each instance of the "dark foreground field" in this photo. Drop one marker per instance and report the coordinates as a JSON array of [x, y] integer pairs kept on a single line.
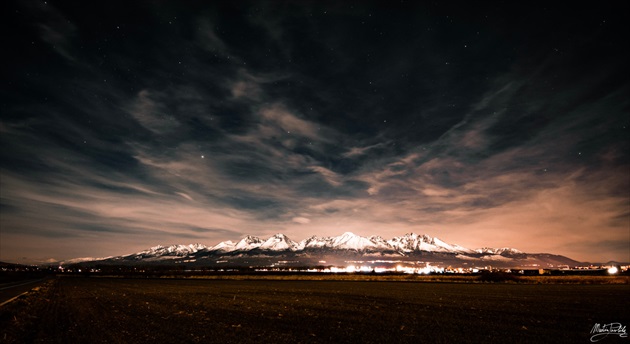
[[103, 310]]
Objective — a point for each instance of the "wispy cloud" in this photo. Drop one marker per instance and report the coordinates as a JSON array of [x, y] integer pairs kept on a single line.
[[152, 114], [357, 151], [209, 126]]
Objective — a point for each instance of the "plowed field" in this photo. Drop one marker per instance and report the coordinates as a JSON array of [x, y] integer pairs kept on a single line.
[[110, 310]]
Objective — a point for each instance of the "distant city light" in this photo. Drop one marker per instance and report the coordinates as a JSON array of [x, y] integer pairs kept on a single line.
[[612, 270]]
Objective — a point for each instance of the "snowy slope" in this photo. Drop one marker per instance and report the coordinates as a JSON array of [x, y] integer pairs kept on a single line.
[[224, 246], [498, 251], [248, 243], [173, 250], [413, 242], [279, 242]]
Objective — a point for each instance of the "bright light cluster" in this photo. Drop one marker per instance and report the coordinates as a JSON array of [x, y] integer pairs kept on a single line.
[[368, 269], [423, 270]]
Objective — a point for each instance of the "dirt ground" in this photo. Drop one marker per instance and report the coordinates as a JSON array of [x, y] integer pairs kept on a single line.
[[114, 310]]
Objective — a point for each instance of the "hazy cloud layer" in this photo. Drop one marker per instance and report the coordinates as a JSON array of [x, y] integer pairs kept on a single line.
[[204, 123]]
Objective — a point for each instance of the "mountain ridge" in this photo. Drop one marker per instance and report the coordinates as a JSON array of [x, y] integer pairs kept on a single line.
[[315, 249]]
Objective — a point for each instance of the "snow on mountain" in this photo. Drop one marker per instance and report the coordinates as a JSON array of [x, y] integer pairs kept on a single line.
[[450, 247], [313, 242], [279, 242], [173, 250], [351, 241], [346, 241], [412, 242], [160, 252], [81, 260], [224, 246], [495, 257], [379, 242], [248, 243], [498, 251], [405, 245]]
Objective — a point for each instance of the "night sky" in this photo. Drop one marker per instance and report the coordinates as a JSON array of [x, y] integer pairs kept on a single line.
[[125, 125]]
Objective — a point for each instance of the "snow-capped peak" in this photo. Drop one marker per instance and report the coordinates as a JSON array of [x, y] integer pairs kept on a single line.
[[224, 246], [248, 243], [313, 242], [279, 242], [411, 242], [351, 241]]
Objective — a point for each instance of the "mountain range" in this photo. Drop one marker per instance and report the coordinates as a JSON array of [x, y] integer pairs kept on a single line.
[[335, 250]]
